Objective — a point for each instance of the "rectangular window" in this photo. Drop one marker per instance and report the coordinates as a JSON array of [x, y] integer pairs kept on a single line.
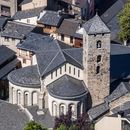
[[71, 39], [60, 70], [6, 39], [69, 69], [56, 73], [65, 67], [74, 71], [62, 37], [97, 69], [78, 73], [24, 61]]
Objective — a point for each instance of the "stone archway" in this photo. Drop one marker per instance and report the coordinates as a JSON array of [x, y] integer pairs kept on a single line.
[[62, 109], [54, 109], [26, 98], [19, 97]]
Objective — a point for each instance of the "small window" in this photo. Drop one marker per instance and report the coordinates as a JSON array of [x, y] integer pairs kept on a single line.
[[65, 68], [69, 69], [97, 69], [99, 44], [98, 58], [60, 70], [6, 39], [56, 73], [28, 20], [24, 61], [78, 73], [74, 71], [71, 39], [62, 37]]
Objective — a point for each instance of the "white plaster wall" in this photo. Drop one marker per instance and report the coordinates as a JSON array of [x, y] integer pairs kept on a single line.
[[28, 62], [34, 60], [109, 123], [10, 43], [30, 91], [34, 4], [32, 20], [66, 39], [48, 78], [59, 102]]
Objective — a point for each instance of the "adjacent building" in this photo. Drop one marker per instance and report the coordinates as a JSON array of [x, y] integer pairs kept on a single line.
[[8, 7]]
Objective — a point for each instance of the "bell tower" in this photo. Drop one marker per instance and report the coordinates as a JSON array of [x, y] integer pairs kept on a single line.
[[96, 59]]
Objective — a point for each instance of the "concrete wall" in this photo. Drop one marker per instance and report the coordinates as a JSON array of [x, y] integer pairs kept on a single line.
[[109, 123]]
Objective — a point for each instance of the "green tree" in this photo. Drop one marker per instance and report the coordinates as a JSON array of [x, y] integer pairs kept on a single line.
[[62, 127], [73, 127], [32, 125], [124, 22]]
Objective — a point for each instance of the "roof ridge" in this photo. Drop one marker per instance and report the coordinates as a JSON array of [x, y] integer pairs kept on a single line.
[[50, 62], [60, 49], [72, 57]]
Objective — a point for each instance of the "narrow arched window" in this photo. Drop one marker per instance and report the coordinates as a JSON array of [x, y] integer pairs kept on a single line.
[[99, 44], [98, 58], [97, 69]]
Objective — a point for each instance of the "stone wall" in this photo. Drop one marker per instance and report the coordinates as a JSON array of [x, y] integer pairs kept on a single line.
[[97, 82]]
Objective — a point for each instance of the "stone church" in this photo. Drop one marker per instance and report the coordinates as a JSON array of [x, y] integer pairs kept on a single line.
[[63, 77]]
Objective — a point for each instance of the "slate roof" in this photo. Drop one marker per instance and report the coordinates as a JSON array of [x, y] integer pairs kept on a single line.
[[16, 30], [25, 77], [110, 17], [4, 71], [55, 59], [45, 120], [51, 18], [122, 89], [119, 67], [27, 13], [5, 54], [67, 87], [123, 107], [98, 111], [68, 27], [96, 26], [2, 21], [117, 49], [11, 118], [52, 53]]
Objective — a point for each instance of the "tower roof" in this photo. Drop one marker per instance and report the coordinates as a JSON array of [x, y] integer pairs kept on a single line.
[[96, 25]]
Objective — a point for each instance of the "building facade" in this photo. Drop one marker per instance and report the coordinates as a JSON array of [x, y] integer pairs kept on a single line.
[[58, 83], [8, 7]]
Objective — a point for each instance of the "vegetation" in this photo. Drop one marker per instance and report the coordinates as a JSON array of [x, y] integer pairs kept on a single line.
[[124, 22], [65, 122], [32, 125]]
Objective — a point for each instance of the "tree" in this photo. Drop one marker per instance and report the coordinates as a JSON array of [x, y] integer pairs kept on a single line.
[[124, 22], [32, 125], [62, 127], [73, 127], [81, 123]]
